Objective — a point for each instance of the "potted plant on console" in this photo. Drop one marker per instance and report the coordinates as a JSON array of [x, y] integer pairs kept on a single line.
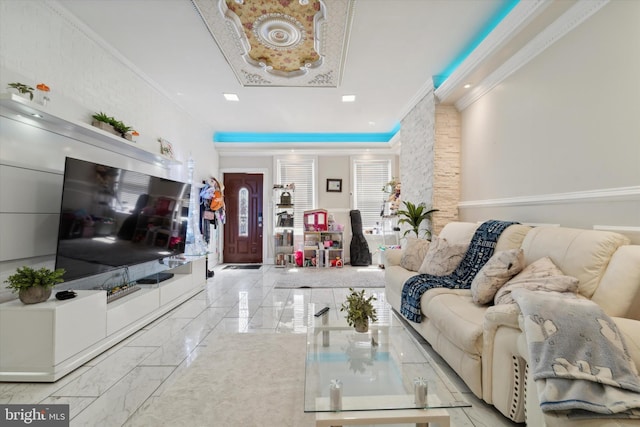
[[104, 122], [33, 285], [111, 125], [359, 310], [22, 89]]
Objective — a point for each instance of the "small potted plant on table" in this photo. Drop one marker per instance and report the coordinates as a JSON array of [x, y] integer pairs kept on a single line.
[[359, 310], [32, 285]]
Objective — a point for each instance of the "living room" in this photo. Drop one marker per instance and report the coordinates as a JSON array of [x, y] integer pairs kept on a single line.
[[549, 139]]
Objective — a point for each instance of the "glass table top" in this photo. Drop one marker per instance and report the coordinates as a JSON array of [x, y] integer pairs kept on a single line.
[[384, 368]]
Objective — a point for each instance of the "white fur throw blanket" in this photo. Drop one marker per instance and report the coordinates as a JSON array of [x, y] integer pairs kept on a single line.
[[577, 355]]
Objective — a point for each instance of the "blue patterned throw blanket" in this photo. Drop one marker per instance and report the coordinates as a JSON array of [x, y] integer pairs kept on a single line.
[[481, 248]]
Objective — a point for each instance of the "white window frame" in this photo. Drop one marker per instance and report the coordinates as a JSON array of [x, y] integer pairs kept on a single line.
[[375, 194], [298, 208]]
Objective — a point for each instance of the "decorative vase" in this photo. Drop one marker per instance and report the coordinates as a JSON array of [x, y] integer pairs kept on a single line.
[[362, 326], [34, 294]]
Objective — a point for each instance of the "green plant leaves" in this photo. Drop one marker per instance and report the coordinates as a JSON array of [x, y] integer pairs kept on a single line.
[[26, 277], [413, 215], [359, 307], [22, 88]]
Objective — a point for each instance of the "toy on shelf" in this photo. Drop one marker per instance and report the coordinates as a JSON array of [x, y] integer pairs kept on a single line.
[[315, 220], [394, 198]]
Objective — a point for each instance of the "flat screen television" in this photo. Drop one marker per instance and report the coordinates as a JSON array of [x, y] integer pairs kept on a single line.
[[113, 218]]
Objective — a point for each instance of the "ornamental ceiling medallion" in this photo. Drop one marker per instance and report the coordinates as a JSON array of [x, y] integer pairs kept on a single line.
[[280, 42]]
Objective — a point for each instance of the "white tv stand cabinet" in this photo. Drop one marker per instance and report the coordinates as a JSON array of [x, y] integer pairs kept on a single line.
[[44, 342]]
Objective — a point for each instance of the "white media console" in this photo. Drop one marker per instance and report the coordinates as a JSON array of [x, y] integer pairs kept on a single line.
[[43, 342]]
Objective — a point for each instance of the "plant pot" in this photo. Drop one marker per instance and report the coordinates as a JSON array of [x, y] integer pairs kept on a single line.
[[34, 294], [362, 326], [105, 126]]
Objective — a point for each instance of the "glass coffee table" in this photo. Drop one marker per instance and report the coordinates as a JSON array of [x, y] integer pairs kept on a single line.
[[378, 377]]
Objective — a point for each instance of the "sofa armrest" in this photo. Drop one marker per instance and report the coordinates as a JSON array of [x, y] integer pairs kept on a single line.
[[498, 316], [392, 257], [630, 331], [502, 315]]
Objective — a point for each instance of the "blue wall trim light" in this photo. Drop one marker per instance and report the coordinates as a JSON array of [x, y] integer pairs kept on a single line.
[[263, 137], [475, 42]]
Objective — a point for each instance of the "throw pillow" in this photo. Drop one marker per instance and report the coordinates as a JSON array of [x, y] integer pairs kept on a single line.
[[413, 253], [443, 257], [541, 275], [501, 267]]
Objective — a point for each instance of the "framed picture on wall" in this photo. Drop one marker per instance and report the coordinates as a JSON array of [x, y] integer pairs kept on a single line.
[[334, 185]]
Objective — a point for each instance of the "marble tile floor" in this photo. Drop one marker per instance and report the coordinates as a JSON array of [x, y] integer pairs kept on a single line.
[[108, 390]]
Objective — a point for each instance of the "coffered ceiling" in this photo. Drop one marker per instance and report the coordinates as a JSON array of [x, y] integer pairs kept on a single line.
[[291, 61]]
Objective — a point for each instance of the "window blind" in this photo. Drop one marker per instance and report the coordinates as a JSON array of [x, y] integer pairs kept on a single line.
[[370, 176], [301, 172], [130, 186]]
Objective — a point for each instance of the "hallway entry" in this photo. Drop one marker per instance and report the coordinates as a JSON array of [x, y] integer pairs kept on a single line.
[[243, 228]]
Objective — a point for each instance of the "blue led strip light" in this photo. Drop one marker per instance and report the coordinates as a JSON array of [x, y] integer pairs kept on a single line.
[[256, 137]]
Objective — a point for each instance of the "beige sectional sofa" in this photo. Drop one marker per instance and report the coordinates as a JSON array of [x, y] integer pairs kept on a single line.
[[484, 343]]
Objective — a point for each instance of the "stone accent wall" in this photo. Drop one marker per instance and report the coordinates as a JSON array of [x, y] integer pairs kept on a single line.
[[430, 159], [417, 152], [446, 171]]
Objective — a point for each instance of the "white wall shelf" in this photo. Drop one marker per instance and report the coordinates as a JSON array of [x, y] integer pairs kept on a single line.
[[17, 108]]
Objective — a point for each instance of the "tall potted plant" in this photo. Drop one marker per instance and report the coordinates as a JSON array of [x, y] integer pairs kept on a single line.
[[359, 310], [32, 285], [413, 215]]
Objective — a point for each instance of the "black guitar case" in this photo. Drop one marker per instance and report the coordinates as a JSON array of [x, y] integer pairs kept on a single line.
[[359, 249]]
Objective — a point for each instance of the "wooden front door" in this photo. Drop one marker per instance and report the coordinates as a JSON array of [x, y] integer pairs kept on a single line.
[[244, 219]]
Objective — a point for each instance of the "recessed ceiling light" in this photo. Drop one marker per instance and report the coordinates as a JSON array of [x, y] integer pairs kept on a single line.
[[372, 123], [231, 97], [467, 86], [348, 98]]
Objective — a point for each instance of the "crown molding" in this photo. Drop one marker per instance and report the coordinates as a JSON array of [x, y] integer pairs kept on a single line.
[[572, 18], [624, 193], [505, 31]]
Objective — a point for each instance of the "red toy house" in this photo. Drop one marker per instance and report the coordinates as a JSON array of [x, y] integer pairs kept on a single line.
[[315, 220]]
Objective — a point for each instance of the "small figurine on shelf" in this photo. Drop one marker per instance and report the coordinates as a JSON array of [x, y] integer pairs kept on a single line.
[[394, 198], [43, 94]]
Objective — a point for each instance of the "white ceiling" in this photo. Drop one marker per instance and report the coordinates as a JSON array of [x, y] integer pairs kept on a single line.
[[395, 48]]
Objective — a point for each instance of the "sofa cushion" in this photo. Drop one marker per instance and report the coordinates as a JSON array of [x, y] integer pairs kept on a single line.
[[501, 267], [457, 318], [629, 329], [583, 254], [512, 237], [541, 275], [459, 232], [442, 257], [413, 253], [619, 291]]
